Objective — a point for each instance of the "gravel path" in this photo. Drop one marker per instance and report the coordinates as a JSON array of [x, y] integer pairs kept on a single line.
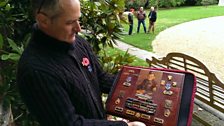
[[202, 39]]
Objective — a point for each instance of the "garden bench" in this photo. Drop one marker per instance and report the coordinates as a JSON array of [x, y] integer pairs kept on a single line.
[[209, 95]]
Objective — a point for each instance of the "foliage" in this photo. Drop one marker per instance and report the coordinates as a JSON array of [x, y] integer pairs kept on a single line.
[[114, 58], [157, 3], [170, 3], [113, 63], [190, 2], [154, 3], [135, 4], [14, 22], [209, 2], [15, 19], [101, 21], [8, 90], [166, 3]]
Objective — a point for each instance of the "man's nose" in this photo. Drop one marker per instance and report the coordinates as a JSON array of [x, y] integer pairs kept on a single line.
[[77, 27]]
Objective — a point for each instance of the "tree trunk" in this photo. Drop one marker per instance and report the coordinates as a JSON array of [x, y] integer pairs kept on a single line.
[[221, 2], [4, 115]]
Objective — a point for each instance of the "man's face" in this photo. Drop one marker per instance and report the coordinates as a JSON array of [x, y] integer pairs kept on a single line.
[[141, 8], [151, 76], [152, 8], [66, 26]]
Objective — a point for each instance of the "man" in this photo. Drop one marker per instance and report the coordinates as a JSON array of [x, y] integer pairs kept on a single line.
[[59, 77], [141, 19], [131, 22], [152, 19]]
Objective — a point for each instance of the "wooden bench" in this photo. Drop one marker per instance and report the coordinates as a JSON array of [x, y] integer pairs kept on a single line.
[[210, 90]]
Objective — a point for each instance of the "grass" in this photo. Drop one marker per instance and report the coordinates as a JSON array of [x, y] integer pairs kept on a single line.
[[167, 18]]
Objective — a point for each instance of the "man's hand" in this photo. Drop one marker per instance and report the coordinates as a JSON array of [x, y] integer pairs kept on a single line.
[[136, 123]]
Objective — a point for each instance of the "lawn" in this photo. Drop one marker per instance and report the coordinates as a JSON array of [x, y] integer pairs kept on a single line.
[[167, 18]]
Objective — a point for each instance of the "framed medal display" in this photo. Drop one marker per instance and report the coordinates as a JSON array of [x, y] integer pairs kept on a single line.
[[157, 97]]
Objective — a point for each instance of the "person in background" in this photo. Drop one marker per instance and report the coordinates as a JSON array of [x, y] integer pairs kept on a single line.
[[59, 77], [141, 19], [152, 19], [146, 4], [130, 21]]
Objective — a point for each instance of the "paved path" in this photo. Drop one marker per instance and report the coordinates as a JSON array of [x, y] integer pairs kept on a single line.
[[142, 54], [202, 39]]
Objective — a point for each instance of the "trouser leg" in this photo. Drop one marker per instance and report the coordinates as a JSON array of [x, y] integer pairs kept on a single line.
[[149, 27], [138, 28], [143, 23], [130, 29], [153, 27]]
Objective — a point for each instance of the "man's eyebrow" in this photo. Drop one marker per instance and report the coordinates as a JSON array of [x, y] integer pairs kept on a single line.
[[72, 20]]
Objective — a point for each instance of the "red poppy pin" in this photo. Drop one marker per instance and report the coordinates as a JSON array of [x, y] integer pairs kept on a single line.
[[85, 62]]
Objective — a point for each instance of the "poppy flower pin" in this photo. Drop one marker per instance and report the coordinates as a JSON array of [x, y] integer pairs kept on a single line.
[[86, 63]]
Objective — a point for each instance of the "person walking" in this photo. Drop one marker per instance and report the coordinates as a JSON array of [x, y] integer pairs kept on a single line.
[[59, 77], [141, 19], [152, 19]]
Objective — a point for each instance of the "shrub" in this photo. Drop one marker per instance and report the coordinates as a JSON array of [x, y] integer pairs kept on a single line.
[[136, 4], [208, 2], [170, 3], [15, 23], [190, 2]]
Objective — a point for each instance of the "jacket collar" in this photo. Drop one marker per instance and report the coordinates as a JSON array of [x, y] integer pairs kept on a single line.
[[42, 40]]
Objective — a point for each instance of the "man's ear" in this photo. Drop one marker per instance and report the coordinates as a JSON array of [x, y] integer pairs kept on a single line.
[[43, 20]]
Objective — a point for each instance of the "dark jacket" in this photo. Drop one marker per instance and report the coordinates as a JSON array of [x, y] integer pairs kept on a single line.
[[152, 16], [141, 15], [130, 18], [57, 89]]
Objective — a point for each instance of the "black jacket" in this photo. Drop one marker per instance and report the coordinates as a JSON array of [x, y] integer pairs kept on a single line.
[[152, 16], [130, 18], [56, 87]]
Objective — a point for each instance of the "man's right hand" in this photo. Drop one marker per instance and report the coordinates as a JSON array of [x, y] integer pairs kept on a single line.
[[136, 123]]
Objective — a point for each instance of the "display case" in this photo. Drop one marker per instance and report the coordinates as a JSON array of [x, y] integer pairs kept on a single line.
[[157, 97]]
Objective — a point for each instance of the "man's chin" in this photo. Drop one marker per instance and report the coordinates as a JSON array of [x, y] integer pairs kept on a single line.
[[71, 40]]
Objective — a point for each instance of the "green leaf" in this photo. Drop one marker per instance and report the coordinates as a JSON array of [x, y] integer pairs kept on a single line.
[[10, 56], [12, 44], [2, 4], [5, 57], [14, 56], [1, 41], [14, 47], [7, 7]]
